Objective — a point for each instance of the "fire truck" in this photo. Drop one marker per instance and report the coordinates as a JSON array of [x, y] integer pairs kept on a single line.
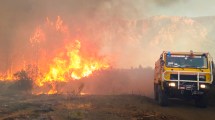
[[186, 75]]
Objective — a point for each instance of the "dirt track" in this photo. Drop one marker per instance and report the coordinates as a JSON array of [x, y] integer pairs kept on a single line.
[[123, 107]]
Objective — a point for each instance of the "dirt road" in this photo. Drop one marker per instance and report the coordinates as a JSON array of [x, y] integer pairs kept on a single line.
[[123, 107]]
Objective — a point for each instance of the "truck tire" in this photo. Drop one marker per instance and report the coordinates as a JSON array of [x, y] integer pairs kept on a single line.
[[201, 101], [156, 92], [162, 97]]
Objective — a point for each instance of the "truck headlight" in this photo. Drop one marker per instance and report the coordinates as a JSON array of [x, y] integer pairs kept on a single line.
[[172, 84], [203, 86]]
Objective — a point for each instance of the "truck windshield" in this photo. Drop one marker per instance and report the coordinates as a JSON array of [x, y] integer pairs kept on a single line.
[[186, 61]]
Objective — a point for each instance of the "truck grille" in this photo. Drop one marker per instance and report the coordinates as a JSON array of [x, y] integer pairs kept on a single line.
[[185, 77]]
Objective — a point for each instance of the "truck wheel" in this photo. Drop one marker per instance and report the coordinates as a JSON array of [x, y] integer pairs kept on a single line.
[[201, 101], [156, 92], [162, 97]]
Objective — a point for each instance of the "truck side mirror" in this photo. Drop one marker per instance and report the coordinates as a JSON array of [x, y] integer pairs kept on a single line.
[[212, 64], [162, 62]]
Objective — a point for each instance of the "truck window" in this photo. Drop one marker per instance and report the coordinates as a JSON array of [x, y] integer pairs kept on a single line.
[[186, 61]]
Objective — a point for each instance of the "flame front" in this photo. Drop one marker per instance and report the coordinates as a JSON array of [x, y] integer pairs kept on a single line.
[[68, 61], [57, 55], [74, 67]]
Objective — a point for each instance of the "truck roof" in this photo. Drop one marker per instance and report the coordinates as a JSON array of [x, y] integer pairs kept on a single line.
[[186, 53]]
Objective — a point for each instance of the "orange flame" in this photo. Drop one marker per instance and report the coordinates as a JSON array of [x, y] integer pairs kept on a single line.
[[37, 37], [7, 76], [75, 66], [68, 62], [69, 59]]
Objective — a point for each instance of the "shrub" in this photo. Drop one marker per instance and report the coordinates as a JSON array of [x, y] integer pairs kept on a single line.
[[24, 82]]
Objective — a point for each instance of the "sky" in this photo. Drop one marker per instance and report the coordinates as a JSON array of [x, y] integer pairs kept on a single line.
[[190, 8]]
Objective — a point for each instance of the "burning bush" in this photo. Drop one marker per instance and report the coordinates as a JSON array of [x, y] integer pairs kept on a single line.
[[24, 82]]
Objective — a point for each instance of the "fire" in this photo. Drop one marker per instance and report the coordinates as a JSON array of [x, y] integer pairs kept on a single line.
[[7, 76], [53, 90], [74, 67], [58, 56], [68, 61], [38, 36], [82, 93]]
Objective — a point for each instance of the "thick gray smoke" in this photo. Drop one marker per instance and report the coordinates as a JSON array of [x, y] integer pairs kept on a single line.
[[96, 19], [120, 28], [130, 33]]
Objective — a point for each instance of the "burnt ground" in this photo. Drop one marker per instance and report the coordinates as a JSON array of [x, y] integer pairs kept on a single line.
[[120, 107]]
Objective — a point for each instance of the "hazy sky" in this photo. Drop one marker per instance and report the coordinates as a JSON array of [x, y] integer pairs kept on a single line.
[[19, 19], [191, 8]]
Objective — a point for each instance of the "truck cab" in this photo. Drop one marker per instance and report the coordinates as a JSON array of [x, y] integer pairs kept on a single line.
[[185, 75]]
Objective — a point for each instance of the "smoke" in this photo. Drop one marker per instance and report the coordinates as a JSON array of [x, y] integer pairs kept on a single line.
[[84, 18], [122, 81], [125, 31], [120, 28], [166, 2], [107, 82]]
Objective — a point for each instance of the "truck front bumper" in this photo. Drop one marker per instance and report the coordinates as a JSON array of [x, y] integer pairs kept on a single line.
[[185, 88]]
